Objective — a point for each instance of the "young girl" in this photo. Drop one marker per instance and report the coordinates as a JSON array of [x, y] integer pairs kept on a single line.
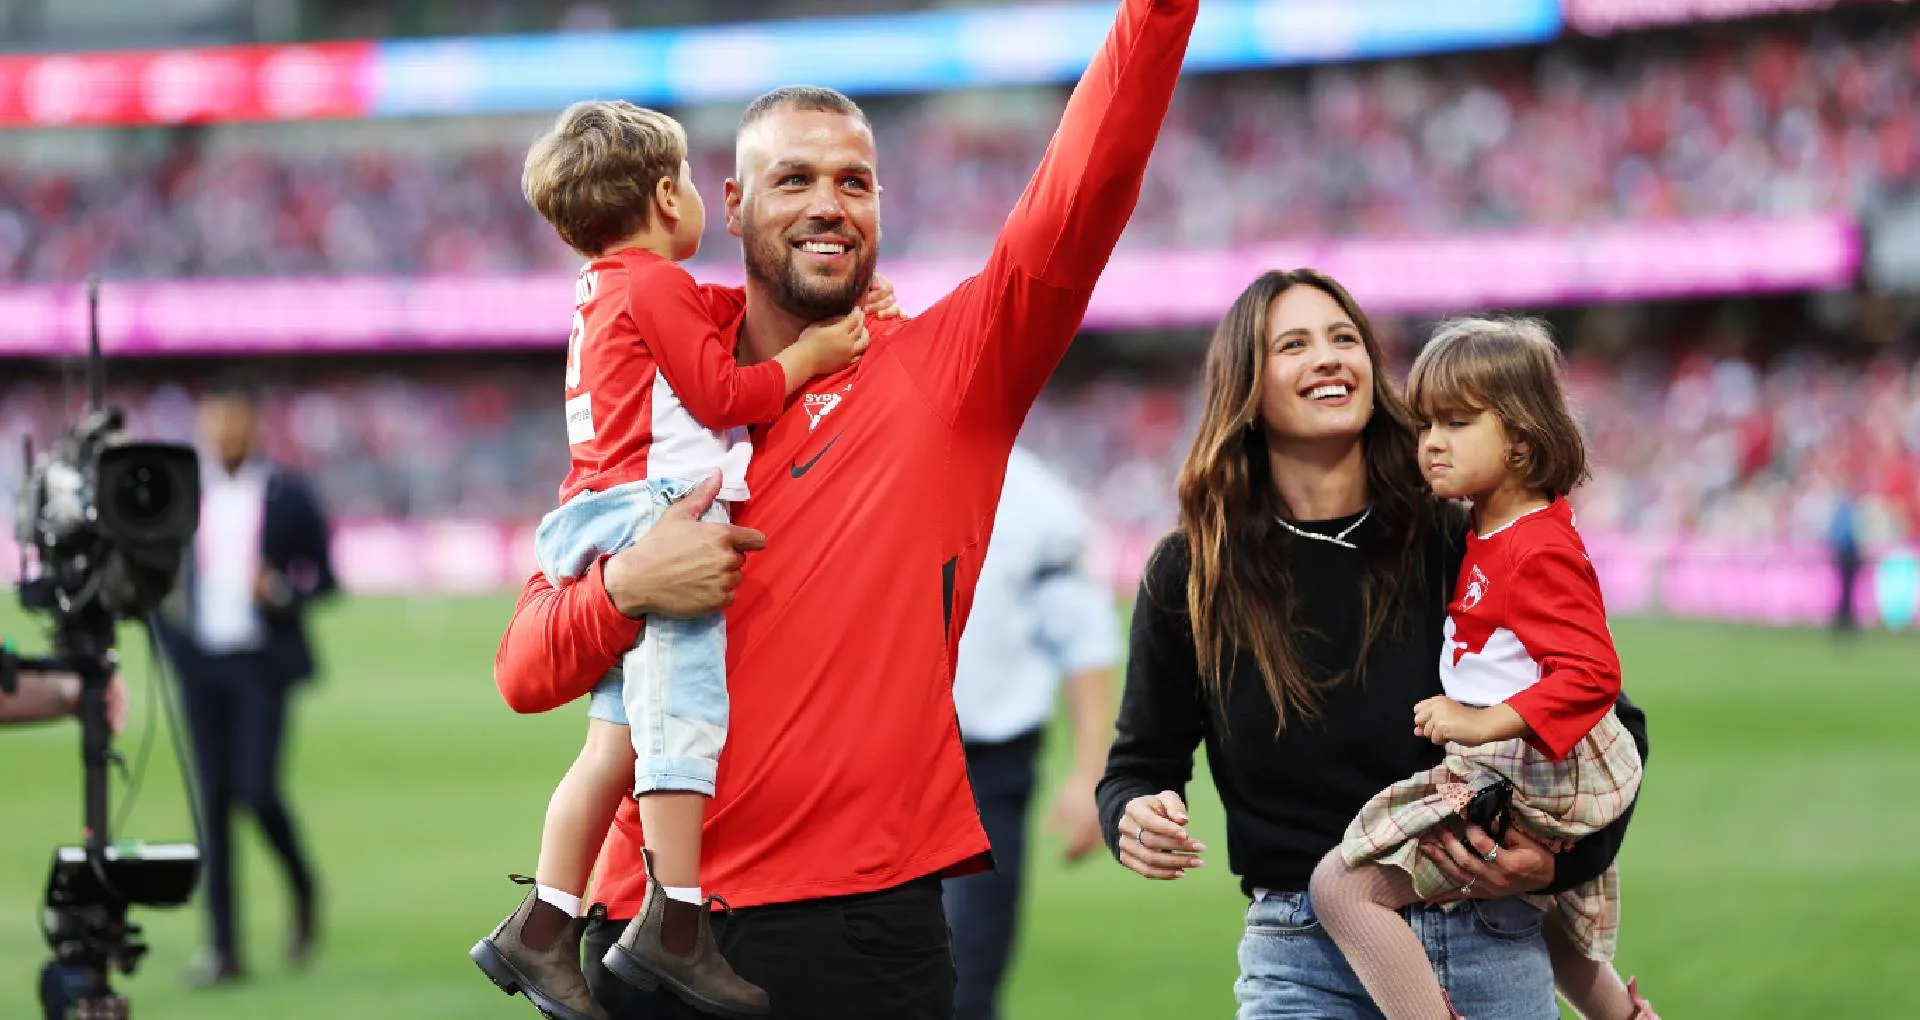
[[1530, 675]]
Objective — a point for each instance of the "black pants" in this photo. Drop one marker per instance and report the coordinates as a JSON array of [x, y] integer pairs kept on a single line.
[[1847, 563], [984, 909], [237, 719], [877, 956]]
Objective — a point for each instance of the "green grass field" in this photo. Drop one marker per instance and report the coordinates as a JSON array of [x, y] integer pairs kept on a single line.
[[1772, 871]]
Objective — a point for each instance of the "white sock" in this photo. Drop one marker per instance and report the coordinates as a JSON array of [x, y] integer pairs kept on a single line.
[[683, 893], [565, 901]]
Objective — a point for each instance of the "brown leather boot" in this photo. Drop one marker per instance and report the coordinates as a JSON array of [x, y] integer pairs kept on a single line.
[[671, 943], [536, 951]]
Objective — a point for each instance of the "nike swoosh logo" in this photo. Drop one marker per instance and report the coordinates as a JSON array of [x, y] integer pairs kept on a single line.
[[796, 469]]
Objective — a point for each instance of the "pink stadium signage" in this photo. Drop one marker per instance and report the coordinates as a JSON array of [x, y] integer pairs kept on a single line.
[[1540, 267]]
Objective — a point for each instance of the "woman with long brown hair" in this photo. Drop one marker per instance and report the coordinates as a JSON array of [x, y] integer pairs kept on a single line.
[[1291, 623]]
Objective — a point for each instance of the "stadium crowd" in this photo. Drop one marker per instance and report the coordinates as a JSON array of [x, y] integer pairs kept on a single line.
[[1699, 442], [1758, 121]]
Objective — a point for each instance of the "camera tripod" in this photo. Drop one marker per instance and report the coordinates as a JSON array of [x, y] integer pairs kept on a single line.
[[91, 886], [86, 919]]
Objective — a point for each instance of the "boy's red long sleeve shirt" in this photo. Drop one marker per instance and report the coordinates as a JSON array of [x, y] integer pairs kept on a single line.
[[651, 387], [843, 771]]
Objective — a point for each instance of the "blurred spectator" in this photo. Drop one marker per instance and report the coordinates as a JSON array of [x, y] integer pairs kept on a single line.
[[235, 632], [1843, 537]]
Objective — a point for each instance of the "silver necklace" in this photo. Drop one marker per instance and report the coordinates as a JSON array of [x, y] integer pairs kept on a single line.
[[1339, 540]]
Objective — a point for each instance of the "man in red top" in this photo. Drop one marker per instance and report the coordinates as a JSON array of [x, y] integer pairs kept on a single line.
[[842, 796]]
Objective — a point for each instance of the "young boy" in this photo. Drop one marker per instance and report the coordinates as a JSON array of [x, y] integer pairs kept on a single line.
[[654, 404]]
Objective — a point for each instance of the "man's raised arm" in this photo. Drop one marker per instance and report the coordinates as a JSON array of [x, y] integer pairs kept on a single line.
[[1003, 332], [1066, 223]]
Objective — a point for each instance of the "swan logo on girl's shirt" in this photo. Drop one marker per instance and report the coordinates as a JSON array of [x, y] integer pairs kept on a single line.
[[1477, 585]]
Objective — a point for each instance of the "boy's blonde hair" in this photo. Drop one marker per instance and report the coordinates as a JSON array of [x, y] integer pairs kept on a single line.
[[593, 176], [1511, 368]]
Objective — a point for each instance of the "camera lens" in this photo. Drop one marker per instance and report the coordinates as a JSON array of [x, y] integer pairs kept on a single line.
[[142, 494]]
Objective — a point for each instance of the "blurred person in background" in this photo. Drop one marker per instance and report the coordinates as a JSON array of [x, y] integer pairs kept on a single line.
[[1843, 539], [234, 631], [1038, 616], [1291, 624]]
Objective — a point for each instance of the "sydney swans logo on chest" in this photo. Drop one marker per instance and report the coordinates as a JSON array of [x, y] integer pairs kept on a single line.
[[819, 405]]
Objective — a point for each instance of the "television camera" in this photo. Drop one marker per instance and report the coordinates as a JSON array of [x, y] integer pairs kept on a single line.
[[103, 523]]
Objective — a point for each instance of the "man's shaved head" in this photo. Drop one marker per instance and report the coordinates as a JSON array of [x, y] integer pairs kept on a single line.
[[802, 98]]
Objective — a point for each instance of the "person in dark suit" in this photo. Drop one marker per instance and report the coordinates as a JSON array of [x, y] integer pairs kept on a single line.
[[235, 634]]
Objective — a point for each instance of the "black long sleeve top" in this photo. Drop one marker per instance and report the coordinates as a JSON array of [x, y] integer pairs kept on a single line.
[[1289, 798]]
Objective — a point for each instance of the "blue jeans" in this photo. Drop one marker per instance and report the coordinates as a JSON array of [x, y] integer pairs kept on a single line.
[[673, 683], [1491, 958]]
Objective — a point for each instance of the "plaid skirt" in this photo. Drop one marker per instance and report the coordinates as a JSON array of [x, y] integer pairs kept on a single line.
[[1567, 799]]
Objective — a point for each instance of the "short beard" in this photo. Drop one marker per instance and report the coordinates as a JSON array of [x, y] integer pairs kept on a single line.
[[771, 263]]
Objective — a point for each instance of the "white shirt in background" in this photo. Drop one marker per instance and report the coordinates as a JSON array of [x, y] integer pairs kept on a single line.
[[227, 557], [1037, 615]]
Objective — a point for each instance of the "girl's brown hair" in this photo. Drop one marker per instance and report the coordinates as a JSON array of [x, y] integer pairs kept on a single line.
[[1511, 368]]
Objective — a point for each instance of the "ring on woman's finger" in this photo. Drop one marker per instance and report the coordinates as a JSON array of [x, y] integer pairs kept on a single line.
[[1140, 837], [1493, 854], [1466, 888]]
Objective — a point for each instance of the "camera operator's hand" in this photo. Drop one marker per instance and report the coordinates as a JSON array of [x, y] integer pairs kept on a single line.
[[43, 697]]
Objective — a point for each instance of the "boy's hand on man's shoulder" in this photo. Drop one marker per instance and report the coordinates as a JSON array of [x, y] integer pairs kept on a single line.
[[881, 302]]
